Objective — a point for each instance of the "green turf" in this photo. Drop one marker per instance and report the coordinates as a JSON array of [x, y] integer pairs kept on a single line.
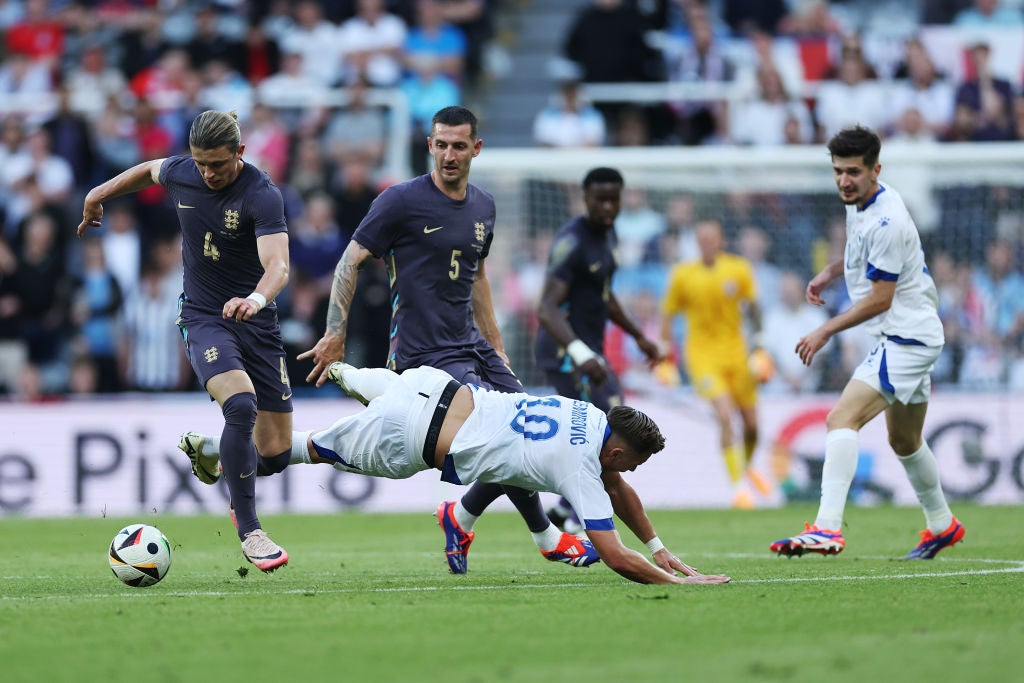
[[368, 598]]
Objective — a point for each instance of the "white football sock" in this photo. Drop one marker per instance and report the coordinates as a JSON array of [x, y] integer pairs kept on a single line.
[[464, 517], [368, 382], [547, 539], [923, 473], [210, 445], [300, 448], [841, 453]]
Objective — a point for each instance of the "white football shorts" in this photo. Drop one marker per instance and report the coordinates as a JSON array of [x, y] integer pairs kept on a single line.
[[899, 372]]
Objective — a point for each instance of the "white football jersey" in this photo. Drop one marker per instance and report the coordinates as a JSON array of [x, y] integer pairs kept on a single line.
[[539, 443], [882, 243]]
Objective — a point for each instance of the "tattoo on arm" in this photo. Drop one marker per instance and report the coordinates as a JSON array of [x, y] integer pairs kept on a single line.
[[343, 289]]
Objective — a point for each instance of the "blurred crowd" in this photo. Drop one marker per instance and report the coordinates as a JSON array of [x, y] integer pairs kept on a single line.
[[89, 88]]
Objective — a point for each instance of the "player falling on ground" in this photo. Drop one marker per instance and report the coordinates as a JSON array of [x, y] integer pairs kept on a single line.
[[575, 305], [894, 296], [715, 293], [235, 254], [424, 419]]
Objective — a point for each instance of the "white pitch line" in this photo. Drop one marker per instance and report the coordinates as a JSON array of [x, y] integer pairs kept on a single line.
[[1017, 567]]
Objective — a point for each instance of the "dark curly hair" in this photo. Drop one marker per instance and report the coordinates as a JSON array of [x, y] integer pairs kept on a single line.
[[636, 429]]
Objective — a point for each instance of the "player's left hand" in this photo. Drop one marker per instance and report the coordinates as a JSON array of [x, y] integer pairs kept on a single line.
[[240, 309], [672, 564]]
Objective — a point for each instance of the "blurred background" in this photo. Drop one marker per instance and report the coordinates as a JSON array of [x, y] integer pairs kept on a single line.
[[710, 108]]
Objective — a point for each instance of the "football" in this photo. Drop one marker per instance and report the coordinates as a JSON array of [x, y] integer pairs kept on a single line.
[[140, 555]]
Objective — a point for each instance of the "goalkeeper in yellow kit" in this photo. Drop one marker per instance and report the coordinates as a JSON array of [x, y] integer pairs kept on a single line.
[[714, 292]]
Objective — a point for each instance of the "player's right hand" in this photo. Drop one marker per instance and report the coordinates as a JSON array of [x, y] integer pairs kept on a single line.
[[595, 369], [92, 216], [329, 349]]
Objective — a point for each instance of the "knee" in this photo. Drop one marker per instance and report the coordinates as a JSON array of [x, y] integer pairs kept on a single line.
[[240, 410], [904, 444]]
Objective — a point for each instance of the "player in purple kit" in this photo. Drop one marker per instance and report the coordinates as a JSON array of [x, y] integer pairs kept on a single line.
[[434, 233], [575, 305], [235, 254]]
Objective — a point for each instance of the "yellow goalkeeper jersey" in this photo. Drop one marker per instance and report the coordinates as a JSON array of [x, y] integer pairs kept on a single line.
[[711, 298]]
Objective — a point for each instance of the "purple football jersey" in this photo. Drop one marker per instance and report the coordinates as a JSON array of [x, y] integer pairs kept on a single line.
[[219, 229]]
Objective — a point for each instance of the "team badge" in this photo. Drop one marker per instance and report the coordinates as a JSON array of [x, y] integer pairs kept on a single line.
[[481, 231], [230, 220], [211, 354]]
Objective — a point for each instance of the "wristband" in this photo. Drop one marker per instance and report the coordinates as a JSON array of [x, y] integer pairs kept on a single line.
[[258, 299], [654, 545], [579, 352]]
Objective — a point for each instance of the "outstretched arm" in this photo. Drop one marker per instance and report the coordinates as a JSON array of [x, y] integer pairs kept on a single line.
[[635, 566], [136, 178], [331, 346], [630, 510]]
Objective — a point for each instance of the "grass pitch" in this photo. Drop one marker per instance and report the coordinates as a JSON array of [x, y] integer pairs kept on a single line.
[[369, 598]]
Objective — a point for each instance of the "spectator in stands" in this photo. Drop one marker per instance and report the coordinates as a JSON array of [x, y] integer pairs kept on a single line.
[[25, 81], [38, 36], [372, 44], [96, 303], [71, 138], [637, 224], [702, 62], [1001, 287], [762, 121], [315, 243], [432, 36], [853, 99], [317, 40], [356, 130], [261, 55], [766, 51], [607, 42], [309, 170], [113, 135], [354, 191], [42, 289], [678, 243], [267, 142], [122, 247], [427, 90], [475, 19], [92, 81], [151, 354], [224, 89], [924, 90], [209, 43], [754, 244], [988, 14], [786, 315], [37, 169], [987, 97], [294, 86], [569, 120]]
